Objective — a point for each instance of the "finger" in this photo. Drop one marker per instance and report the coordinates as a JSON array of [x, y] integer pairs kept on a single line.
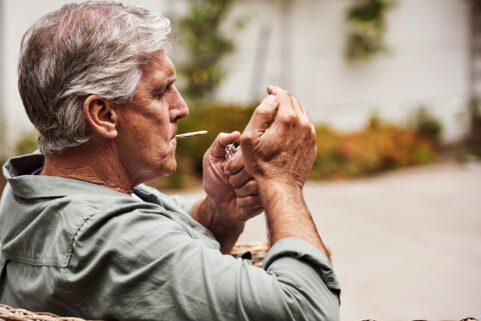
[[235, 164], [263, 116], [251, 201], [249, 188], [301, 111], [286, 107], [239, 179], [217, 149]]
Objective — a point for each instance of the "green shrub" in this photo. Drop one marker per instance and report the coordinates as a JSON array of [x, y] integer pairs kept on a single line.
[[474, 130], [378, 147], [367, 25], [26, 143], [426, 125]]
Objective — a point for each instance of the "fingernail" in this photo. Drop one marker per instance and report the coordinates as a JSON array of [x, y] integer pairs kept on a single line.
[[226, 171], [271, 99]]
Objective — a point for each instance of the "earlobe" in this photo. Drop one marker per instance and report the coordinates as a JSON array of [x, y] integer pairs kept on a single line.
[[101, 116]]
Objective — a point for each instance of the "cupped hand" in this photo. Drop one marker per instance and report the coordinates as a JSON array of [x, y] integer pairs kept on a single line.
[[279, 143], [248, 201], [229, 187]]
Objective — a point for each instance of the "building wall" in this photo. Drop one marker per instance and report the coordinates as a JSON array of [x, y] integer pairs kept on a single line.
[[428, 64], [2, 82], [299, 45]]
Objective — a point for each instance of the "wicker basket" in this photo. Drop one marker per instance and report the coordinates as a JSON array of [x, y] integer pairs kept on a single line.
[[258, 251], [10, 314]]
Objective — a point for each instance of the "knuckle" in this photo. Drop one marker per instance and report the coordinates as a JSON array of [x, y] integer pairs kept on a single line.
[[261, 111], [245, 201], [289, 118], [245, 138], [242, 202], [252, 185], [305, 125], [232, 181]]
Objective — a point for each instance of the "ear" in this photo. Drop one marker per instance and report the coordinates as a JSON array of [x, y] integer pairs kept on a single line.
[[101, 116]]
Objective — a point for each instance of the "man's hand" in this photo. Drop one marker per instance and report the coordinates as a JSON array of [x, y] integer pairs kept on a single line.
[[228, 185], [279, 149], [248, 201], [214, 180], [279, 143], [232, 193]]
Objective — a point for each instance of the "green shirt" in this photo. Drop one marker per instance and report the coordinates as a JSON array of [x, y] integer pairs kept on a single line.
[[75, 248]]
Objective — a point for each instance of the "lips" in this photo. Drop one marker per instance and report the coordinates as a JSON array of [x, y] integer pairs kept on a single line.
[[174, 133]]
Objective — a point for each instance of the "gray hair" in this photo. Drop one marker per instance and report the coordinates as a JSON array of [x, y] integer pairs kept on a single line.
[[96, 47]]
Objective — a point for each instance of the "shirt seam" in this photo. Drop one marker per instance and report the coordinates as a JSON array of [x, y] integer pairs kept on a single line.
[[31, 261], [64, 271]]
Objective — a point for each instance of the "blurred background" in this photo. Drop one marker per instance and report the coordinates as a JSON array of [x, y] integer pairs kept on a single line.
[[393, 88]]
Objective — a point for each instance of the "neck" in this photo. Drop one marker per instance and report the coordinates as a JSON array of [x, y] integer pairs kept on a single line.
[[92, 162]]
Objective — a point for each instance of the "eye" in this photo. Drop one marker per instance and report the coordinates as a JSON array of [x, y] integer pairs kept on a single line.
[[160, 93]]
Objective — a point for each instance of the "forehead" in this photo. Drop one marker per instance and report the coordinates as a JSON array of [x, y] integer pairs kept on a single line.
[[159, 68]]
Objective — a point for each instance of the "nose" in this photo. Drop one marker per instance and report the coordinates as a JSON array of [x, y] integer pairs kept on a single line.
[[179, 108]]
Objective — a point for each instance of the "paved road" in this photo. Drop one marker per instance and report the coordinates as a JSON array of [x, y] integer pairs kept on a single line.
[[406, 245]]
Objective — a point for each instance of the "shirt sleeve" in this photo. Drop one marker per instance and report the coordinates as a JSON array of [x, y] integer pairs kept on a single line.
[[185, 203], [177, 201], [144, 266]]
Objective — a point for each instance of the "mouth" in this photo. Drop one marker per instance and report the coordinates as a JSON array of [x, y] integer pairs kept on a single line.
[[174, 134]]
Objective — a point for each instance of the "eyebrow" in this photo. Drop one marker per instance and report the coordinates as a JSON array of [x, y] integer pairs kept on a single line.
[[169, 82]]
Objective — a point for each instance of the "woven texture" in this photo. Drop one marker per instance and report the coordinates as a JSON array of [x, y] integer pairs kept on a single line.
[[10, 314], [257, 249]]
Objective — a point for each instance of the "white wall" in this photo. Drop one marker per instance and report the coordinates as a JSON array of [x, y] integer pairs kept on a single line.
[[429, 63], [2, 73]]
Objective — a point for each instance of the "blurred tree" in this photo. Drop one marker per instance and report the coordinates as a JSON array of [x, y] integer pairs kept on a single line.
[[474, 130], [200, 35], [26, 143], [426, 124], [367, 27]]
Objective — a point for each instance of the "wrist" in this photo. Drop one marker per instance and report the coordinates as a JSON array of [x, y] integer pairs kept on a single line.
[[221, 215], [279, 186]]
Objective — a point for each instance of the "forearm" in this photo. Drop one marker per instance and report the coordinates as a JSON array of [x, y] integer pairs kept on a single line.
[[287, 214], [216, 221]]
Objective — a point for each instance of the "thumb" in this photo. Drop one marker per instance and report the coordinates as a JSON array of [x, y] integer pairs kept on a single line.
[[263, 116], [217, 149]]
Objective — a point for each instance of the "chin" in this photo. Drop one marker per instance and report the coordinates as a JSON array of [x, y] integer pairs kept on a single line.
[[170, 168]]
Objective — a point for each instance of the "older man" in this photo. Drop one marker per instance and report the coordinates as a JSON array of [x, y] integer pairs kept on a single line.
[[79, 233]]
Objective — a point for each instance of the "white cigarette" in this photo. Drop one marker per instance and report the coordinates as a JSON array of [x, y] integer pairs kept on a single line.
[[185, 135]]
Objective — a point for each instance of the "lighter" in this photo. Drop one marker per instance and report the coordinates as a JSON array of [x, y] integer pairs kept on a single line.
[[231, 150]]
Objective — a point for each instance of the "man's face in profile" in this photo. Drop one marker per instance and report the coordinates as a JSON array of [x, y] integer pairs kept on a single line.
[[147, 126]]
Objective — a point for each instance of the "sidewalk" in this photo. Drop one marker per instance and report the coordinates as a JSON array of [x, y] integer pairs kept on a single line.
[[406, 245]]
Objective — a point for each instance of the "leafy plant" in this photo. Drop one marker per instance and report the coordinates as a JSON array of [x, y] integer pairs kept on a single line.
[[474, 130], [426, 125], [200, 35], [26, 143], [378, 147], [367, 28]]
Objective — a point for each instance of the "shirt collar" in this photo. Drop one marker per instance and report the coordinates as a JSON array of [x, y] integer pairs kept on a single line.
[[18, 172]]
